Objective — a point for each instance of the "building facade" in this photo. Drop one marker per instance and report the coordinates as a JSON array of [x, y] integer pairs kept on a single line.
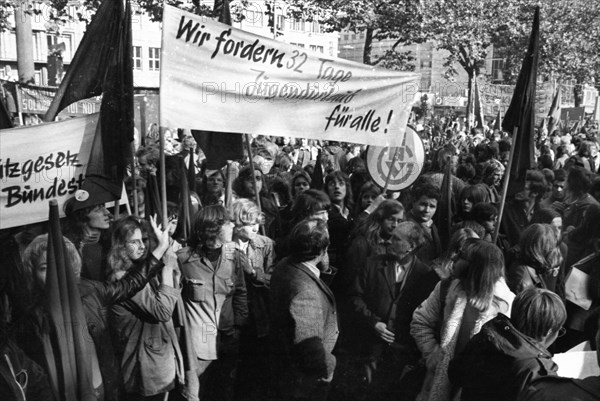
[[146, 40]]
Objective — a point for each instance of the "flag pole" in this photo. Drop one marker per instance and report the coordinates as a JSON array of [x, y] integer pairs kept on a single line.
[[449, 198], [505, 183], [134, 181], [163, 178], [389, 174], [249, 149]]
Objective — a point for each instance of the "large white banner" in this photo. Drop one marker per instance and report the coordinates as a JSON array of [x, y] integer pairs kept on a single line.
[[218, 78], [39, 163]]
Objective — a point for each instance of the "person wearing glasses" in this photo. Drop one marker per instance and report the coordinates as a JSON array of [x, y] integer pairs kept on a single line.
[[384, 296], [501, 360]]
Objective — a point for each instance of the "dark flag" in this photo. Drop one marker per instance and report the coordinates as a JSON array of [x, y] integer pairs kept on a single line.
[[103, 65], [446, 207], [554, 113], [477, 106], [220, 146], [74, 355], [317, 175], [5, 119], [520, 113], [498, 122]]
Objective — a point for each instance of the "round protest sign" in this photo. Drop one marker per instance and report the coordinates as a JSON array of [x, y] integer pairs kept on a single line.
[[402, 164]]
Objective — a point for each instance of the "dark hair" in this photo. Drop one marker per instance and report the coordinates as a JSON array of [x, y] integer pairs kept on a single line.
[[486, 267], [308, 239], [474, 193], [245, 175], [560, 175], [282, 188], [465, 172], [75, 220], [483, 212], [308, 203], [561, 150], [585, 148], [536, 311], [298, 175], [544, 216], [339, 176], [589, 230], [545, 161], [427, 190], [207, 224], [537, 183], [579, 181], [538, 248], [354, 164]]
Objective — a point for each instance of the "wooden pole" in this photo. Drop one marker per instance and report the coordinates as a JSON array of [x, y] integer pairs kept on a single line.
[[163, 179], [449, 198], [389, 174], [229, 184], [505, 183], [134, 181], [249, 149]]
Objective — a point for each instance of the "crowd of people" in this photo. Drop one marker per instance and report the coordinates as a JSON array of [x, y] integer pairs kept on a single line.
[[299, 279]]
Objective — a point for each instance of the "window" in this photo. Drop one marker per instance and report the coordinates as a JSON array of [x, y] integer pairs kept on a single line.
[[53, 40], [137, 57], [497, 69], [280, 22], [37, 47], [153, 58], [425, 64], [297, 25], [8, 45]]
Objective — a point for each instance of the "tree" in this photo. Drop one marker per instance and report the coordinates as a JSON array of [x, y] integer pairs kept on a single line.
[[569, 42], [377, 19]]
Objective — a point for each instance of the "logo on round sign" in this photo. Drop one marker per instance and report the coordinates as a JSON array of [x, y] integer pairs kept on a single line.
[[402, 171]]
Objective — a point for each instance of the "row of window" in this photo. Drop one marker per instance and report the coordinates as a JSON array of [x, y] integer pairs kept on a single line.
[[8, 45], [153, 58], [256, 18], [315, 48]]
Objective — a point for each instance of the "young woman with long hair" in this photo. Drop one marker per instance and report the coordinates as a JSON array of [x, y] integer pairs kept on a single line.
[[539, 261], [146, 340], [371, 237], [456, 310]]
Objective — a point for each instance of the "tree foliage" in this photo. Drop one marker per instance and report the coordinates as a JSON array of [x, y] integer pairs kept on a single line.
[[378, 19]]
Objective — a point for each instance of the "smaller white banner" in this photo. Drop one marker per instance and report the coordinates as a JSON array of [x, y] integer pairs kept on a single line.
[[39, 163]]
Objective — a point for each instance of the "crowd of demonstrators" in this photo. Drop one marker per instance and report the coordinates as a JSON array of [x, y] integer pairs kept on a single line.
[[298, 278]]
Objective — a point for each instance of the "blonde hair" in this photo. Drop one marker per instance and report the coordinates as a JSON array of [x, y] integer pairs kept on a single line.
[[39, 246], [244, 212]]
